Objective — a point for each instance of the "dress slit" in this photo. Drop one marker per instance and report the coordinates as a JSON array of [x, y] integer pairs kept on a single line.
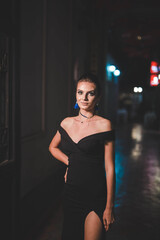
[[101, 221]]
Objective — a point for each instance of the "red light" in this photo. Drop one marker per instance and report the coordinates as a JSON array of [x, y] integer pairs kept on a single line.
[[154, 67], [154, 80]]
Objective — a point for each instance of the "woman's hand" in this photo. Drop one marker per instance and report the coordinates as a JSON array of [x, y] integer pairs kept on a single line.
[[65, 176], [108, 218]]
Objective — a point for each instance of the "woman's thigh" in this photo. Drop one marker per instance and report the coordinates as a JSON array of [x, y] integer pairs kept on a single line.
[[93, 229]]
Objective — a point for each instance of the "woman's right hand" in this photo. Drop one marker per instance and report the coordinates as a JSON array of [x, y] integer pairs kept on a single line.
[[65, 176]]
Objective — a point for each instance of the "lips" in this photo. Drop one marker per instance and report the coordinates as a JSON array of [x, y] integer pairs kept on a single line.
[[84, 103]]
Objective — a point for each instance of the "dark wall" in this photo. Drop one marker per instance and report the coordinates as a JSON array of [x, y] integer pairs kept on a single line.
[[44, 79], [50, 43], [9, 127]]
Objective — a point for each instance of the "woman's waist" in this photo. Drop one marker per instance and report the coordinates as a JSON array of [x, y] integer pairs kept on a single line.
[[89, 181], [81, 192], [86, 169], [85, 159]]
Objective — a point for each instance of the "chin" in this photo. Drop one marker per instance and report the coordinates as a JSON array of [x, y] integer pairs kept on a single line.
[[87, 108]]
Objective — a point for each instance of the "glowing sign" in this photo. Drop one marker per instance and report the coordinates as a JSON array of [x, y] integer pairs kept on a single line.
[[154, 73], [154, 80], [154, 67]]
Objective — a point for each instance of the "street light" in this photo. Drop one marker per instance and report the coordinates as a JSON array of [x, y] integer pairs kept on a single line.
[[138, 89], [111, 68], [116, 73]]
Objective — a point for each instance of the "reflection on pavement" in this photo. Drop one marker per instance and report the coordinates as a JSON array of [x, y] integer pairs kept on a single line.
[[137, 201]]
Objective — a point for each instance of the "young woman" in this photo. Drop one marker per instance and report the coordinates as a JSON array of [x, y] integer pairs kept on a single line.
[[88, 152]]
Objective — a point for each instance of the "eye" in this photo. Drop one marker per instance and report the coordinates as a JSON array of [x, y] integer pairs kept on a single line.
[[80, 92], [92, 93]]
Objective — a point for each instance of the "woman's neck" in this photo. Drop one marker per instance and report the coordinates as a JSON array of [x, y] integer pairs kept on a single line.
[[87, 114]]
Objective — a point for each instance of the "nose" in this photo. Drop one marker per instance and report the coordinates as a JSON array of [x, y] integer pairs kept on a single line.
[[85, 97]]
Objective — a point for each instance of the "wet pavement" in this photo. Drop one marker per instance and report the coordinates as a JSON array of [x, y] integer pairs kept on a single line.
[[137, 202]]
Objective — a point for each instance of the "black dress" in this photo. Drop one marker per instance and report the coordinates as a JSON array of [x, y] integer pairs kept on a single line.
[[85, 189]]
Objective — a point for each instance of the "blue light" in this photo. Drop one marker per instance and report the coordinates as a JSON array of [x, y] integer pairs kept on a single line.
[[111, 68], [117, 73]]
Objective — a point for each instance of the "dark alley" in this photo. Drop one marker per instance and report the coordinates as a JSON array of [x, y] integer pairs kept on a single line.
[[46, 46]]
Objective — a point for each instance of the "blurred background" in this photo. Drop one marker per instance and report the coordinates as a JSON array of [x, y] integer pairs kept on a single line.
[[45, 45]]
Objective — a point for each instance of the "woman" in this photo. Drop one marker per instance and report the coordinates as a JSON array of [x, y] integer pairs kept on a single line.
[[87, 151]]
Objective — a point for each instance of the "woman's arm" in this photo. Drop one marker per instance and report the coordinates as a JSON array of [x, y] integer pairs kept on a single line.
[[55, 151], [108, 216], [110, 173], [109, 153]]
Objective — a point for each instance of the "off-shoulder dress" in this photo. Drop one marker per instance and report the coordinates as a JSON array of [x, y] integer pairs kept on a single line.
[[85, 189]]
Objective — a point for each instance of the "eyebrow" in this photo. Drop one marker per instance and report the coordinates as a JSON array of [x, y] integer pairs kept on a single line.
[[87, 91]]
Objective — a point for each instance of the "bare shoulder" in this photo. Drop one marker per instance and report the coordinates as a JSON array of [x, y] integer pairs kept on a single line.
[[67, 122], [104, 124]]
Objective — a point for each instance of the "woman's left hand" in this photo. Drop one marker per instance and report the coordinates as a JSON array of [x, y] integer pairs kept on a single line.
[[108, 218], [65, 176]]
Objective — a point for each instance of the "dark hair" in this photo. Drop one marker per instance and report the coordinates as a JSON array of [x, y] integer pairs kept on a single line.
[[92, 78]]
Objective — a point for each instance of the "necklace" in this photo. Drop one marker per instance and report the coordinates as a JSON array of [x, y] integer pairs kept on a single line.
[[85, 116]]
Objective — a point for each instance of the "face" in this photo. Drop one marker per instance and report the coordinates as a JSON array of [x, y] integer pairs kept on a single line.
[[86, 95]]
